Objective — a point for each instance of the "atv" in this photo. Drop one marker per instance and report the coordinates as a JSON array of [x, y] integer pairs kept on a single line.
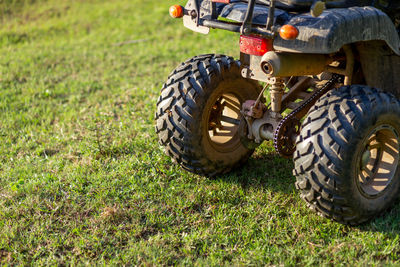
[[331, 76]]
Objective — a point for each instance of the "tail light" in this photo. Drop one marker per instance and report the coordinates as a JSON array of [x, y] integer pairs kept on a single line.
[[254, 45], [221, 1]]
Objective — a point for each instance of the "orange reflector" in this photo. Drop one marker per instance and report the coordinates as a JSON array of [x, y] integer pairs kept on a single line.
[[221, 1], [176, 11], [288, 32]]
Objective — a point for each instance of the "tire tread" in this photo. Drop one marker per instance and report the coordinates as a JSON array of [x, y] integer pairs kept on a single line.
[[322, 145], [178, 106]]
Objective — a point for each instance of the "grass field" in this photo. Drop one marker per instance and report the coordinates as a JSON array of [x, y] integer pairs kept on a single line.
[[83, 179]]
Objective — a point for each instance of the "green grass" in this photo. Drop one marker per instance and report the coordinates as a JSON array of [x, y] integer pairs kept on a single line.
[[83, 180]]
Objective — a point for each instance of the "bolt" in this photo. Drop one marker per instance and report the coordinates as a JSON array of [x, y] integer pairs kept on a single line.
[[193, 13], [246, 72]]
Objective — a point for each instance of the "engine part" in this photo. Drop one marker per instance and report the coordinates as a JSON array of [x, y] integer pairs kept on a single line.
[[259, 128]]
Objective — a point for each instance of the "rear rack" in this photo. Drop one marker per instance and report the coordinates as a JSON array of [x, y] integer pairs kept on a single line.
[[244, 28]]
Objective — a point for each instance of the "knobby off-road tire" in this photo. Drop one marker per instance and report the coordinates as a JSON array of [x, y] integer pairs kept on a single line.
[[200, 94], [347, 154]]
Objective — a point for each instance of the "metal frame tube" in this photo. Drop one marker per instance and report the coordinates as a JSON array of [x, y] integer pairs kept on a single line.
[[246, 27], [248, 19], [235, 27], [271, 15]]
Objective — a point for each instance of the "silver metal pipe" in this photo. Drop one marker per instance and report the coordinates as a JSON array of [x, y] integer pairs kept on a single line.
[[283, 64]]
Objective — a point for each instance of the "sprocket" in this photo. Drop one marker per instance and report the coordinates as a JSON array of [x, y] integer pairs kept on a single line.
[[285, 136]]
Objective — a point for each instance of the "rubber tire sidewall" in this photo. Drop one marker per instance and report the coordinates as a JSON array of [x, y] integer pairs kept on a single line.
[[370, 206]]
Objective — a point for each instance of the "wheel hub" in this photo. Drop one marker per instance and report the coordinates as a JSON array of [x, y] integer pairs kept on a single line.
[[215, 115], [224, 119], [379, 161], [366, 157]]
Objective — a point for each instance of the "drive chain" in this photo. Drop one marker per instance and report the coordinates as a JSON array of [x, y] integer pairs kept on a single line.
[[289, 125]]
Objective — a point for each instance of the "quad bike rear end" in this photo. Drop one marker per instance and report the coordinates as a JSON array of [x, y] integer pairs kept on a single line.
[[332, 73]]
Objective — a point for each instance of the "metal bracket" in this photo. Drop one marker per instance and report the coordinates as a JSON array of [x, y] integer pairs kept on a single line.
[[191, 20]]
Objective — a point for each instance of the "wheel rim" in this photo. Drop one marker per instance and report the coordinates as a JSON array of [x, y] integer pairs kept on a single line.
[[223, 122], [378, 161]]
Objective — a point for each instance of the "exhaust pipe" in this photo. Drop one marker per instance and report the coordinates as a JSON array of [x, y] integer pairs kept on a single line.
[[291, 64]]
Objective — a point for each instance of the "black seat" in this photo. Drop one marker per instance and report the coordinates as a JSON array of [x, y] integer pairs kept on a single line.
[[236, 10], [300, 5], [329, 3], [391, 7]]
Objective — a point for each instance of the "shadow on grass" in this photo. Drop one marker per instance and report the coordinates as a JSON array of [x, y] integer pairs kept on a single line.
[[388, 222], [265, 170], [275, 173]]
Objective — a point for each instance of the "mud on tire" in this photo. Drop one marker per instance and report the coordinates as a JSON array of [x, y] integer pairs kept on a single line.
[[198, 105], [347, 154]]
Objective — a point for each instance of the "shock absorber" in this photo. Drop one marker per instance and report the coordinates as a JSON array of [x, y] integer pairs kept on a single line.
[[277, 89]]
